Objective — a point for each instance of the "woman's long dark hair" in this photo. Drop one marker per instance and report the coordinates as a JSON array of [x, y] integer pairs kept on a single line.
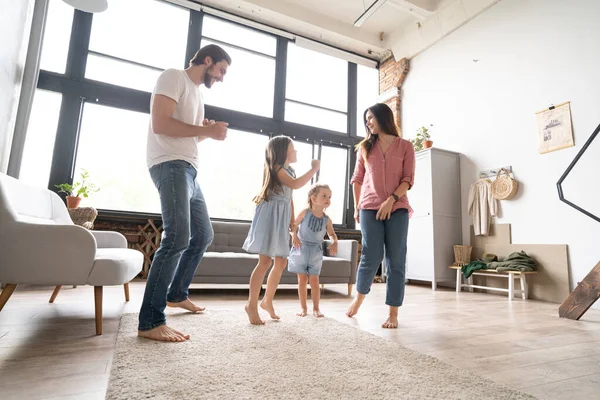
[[385, 118], [275, 157]]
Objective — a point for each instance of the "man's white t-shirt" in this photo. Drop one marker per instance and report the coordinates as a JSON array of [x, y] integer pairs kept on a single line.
[[177, 85]]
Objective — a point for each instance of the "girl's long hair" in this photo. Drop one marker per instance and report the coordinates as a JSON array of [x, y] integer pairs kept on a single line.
[[385, 118], [275, 157]]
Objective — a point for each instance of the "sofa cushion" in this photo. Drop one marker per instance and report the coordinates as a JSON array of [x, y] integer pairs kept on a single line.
[[229, 236], [229, 263]]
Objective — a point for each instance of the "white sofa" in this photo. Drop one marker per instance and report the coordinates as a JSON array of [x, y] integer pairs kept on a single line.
[[40, 245]]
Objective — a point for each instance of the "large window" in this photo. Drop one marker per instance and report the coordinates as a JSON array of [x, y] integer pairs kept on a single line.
[[39, 142], [230, 173], [121, 73], [134, 40], [368, 90], [130, 45], [250, 81], [248, 85], [316, 89], [333, 173], [305, 154], [112, 148], [237, 35], [56, 36]]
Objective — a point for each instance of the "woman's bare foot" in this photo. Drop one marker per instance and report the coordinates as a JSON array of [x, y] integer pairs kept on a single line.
[[302, 313], [187, 305], [391, 322], [268, 307], [318, 313], [253, 315], [164, 334], [353, 309]]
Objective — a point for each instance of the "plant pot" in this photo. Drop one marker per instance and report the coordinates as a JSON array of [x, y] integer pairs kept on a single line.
[[73, 201], [427, 144]]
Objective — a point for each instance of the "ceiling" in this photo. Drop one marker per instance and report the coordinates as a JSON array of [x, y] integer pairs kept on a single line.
[[401, 28]]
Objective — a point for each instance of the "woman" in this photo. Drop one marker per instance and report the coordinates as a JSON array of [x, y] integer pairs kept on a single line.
[[384, 172]]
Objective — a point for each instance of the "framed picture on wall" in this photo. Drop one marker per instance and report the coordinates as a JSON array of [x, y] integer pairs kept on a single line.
[[555, 130]]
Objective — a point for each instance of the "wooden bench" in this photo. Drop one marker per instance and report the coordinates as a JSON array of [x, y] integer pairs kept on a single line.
[[510, 275]]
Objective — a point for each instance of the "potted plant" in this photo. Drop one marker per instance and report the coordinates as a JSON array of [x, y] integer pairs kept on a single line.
[[423, 139], [80, 189]]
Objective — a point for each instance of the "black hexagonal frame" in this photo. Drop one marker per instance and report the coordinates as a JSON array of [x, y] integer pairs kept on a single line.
[[568, 170]]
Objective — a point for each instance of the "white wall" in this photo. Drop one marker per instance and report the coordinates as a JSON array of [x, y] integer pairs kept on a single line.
[[15, 22], [530, 53]]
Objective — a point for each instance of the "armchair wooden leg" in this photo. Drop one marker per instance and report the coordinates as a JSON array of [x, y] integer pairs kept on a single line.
[[98, 303], [55, 293], [9, 288], [350, 289], [126, 291]]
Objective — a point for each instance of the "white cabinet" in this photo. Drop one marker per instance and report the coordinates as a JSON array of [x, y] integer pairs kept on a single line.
[[435, 226]]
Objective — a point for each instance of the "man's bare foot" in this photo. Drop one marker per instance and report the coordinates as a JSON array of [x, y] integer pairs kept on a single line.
[[253, 315], [318, 313], [187, 305], [353, 309], [164, 334], [391, 322], [302, 313], [268, 307]]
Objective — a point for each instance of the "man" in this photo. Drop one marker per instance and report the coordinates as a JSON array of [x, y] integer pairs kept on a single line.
[[177, 124]]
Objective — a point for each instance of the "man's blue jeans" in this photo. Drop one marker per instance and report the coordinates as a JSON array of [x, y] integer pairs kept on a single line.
[[187, 233], [390, 234]]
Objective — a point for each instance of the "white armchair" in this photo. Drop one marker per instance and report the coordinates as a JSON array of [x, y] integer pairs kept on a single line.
[[40, 245]]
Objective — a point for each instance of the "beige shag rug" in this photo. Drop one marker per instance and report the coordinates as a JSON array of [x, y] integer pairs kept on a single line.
[[296, 358]]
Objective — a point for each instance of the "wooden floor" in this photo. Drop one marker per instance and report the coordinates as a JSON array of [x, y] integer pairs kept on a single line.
[[50, 350]]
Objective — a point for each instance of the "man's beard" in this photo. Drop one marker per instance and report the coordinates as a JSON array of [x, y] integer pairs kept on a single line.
[[208, 79]]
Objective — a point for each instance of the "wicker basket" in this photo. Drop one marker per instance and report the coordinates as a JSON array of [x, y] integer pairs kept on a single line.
[[462, 255], [504, 187]]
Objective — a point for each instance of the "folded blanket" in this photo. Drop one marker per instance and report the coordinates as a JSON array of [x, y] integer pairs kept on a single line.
[[517, 261], [473, 266]]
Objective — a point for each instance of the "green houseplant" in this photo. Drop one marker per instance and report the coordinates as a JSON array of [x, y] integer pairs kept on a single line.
[[423, 138], [79, 189]]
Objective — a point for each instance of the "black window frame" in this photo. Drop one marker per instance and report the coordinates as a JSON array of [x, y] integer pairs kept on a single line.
[[76, 89]]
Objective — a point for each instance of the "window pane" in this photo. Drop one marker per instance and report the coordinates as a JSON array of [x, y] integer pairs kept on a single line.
[[248, 86], [112, 147], [247, 38], [57, 34], [368, 91], [307, 115], [305, 156], [121, 73], [333, 173], [39, 142], [316, 78], [230, 173], [149, 32]]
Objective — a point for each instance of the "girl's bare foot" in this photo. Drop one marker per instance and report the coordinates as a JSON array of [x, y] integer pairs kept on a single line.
[[253, 315], [317, 313], [391, 322], [353, 309], [302, 313], [164, 334], [187, 305], [268, 307]]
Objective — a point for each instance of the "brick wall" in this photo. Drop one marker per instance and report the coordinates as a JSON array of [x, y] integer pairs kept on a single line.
[[391, 77]]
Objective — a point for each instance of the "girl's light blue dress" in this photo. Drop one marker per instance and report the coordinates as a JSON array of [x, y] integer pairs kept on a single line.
[[269, 233]]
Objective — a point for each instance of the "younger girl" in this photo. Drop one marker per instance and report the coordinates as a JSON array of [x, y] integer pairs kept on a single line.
[[269, 235], [306, 256]]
